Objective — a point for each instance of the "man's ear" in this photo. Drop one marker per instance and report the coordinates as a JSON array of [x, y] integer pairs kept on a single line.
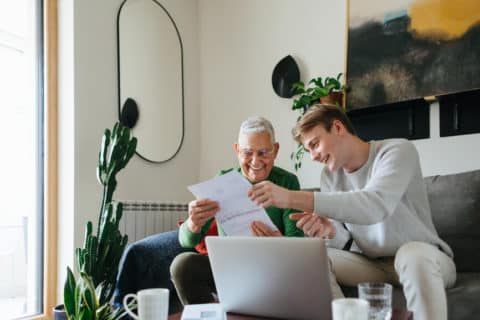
[[338, 127], [236, 148], [276, 147]]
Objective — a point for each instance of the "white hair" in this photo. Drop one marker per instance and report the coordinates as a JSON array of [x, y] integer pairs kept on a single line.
[[257, 124]]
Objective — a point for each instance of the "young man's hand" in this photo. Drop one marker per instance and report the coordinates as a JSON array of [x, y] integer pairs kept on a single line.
[[314, 225], [199, 212], [268, 194]]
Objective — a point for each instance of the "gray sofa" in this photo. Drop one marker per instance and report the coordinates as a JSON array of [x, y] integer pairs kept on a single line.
[[455, 205]]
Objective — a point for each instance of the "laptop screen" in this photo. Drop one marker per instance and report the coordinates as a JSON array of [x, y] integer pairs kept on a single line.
[[272, 276]]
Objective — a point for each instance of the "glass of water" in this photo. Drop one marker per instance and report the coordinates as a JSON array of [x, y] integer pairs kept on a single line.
[[379, 296]]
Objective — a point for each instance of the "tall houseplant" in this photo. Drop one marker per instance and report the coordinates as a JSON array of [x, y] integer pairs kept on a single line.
[[328, 91], [88, 297]]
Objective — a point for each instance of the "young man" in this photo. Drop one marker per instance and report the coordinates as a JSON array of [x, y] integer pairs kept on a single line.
[[373, 204], [256, 152]]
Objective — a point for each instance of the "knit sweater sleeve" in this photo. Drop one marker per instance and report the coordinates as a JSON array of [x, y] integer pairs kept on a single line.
[[189, 239], [342, 235], [391, 175]]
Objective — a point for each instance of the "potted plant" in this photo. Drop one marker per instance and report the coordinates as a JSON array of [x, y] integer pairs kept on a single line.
[[327, 91], [88, 296]]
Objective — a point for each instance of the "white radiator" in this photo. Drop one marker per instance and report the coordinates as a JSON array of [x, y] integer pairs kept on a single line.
[[141, 219]]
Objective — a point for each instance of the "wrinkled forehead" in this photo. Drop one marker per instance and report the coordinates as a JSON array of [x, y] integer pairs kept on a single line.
[[257, 140]]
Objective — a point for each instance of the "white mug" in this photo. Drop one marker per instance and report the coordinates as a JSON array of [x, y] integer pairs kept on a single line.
[[152, 304], [350, 309]]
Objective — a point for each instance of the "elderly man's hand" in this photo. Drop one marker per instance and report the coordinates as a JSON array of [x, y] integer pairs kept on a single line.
[[199, 212], [314, 225], [260, 229], [268, 194]]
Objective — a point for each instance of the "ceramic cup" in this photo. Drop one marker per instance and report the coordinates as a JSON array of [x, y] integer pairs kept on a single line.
[[152, 304]]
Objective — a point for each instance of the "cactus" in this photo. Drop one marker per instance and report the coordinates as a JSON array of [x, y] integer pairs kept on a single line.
[[98, 260]]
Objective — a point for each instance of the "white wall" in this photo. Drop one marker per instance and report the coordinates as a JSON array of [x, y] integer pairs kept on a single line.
[[88, 105], [240, 43], [66, 144]]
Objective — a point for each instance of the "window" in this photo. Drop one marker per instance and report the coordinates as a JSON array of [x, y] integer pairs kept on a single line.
[[22, 192]]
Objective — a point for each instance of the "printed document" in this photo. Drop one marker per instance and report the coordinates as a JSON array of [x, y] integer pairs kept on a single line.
[[237, 211], [204, 311]]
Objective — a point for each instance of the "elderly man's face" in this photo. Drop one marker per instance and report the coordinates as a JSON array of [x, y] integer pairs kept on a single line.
[[256, 154]]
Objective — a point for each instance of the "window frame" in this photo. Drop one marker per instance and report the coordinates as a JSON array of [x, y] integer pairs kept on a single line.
[[49, 9]]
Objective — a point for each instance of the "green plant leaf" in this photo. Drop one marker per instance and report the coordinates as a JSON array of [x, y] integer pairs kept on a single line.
[[317, 82], [103, 312], [86, 314], [321, 92], [299, 87], [88, 293], [69, 294]]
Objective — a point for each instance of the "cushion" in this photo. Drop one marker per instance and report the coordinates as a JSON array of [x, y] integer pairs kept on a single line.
[[464, 296], [455, 204]]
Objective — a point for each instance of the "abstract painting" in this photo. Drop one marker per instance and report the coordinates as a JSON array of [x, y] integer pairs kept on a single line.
[[401, 50]]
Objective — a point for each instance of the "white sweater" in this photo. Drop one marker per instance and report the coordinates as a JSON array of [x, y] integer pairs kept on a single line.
[[383, 204]]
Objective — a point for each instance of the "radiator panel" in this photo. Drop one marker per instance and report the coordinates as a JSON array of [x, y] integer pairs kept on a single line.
[[144, 218]]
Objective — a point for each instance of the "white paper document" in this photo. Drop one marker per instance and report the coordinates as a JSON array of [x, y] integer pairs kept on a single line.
[[237, 211], [205, 311]]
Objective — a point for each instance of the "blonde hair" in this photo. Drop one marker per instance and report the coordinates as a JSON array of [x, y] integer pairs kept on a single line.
[[321, 114]]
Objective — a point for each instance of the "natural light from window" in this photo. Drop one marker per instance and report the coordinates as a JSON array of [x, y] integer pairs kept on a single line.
[[21, 167]]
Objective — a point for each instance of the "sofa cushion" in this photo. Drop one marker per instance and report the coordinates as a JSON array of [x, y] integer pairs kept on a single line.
[[463, 298], [455, 204]]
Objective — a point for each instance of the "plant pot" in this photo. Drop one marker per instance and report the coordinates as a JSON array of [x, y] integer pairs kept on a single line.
[[59, 312], [334, 97]]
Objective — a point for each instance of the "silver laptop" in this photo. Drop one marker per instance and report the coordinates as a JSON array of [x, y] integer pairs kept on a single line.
[[272, 277]]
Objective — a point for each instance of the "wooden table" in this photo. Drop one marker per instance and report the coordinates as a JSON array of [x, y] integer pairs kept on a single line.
[[397, 315]]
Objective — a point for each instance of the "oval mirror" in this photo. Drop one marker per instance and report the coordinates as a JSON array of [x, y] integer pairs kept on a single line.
[[150, 78]]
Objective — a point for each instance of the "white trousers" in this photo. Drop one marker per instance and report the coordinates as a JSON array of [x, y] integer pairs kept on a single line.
[[420, 268]]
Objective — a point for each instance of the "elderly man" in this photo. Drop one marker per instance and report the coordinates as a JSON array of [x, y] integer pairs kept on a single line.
[[256, 152], [373, 204]]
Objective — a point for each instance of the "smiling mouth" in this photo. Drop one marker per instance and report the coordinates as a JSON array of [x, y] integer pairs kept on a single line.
[[325, 159], [256, 169]]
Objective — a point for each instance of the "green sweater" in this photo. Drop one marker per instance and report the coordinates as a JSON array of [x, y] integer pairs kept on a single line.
[[280, 217]]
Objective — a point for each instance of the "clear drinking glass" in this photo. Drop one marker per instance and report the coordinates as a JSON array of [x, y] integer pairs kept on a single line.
[[350, 309], [379, 296]]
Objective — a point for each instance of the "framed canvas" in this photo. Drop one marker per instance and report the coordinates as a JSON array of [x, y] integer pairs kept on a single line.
[[401, 50]]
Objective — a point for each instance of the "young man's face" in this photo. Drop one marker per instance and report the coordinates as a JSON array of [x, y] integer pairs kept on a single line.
[[324, 146], [256, 155]]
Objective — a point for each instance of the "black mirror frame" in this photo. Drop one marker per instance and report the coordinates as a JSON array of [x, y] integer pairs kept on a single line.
[[183, 86]]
